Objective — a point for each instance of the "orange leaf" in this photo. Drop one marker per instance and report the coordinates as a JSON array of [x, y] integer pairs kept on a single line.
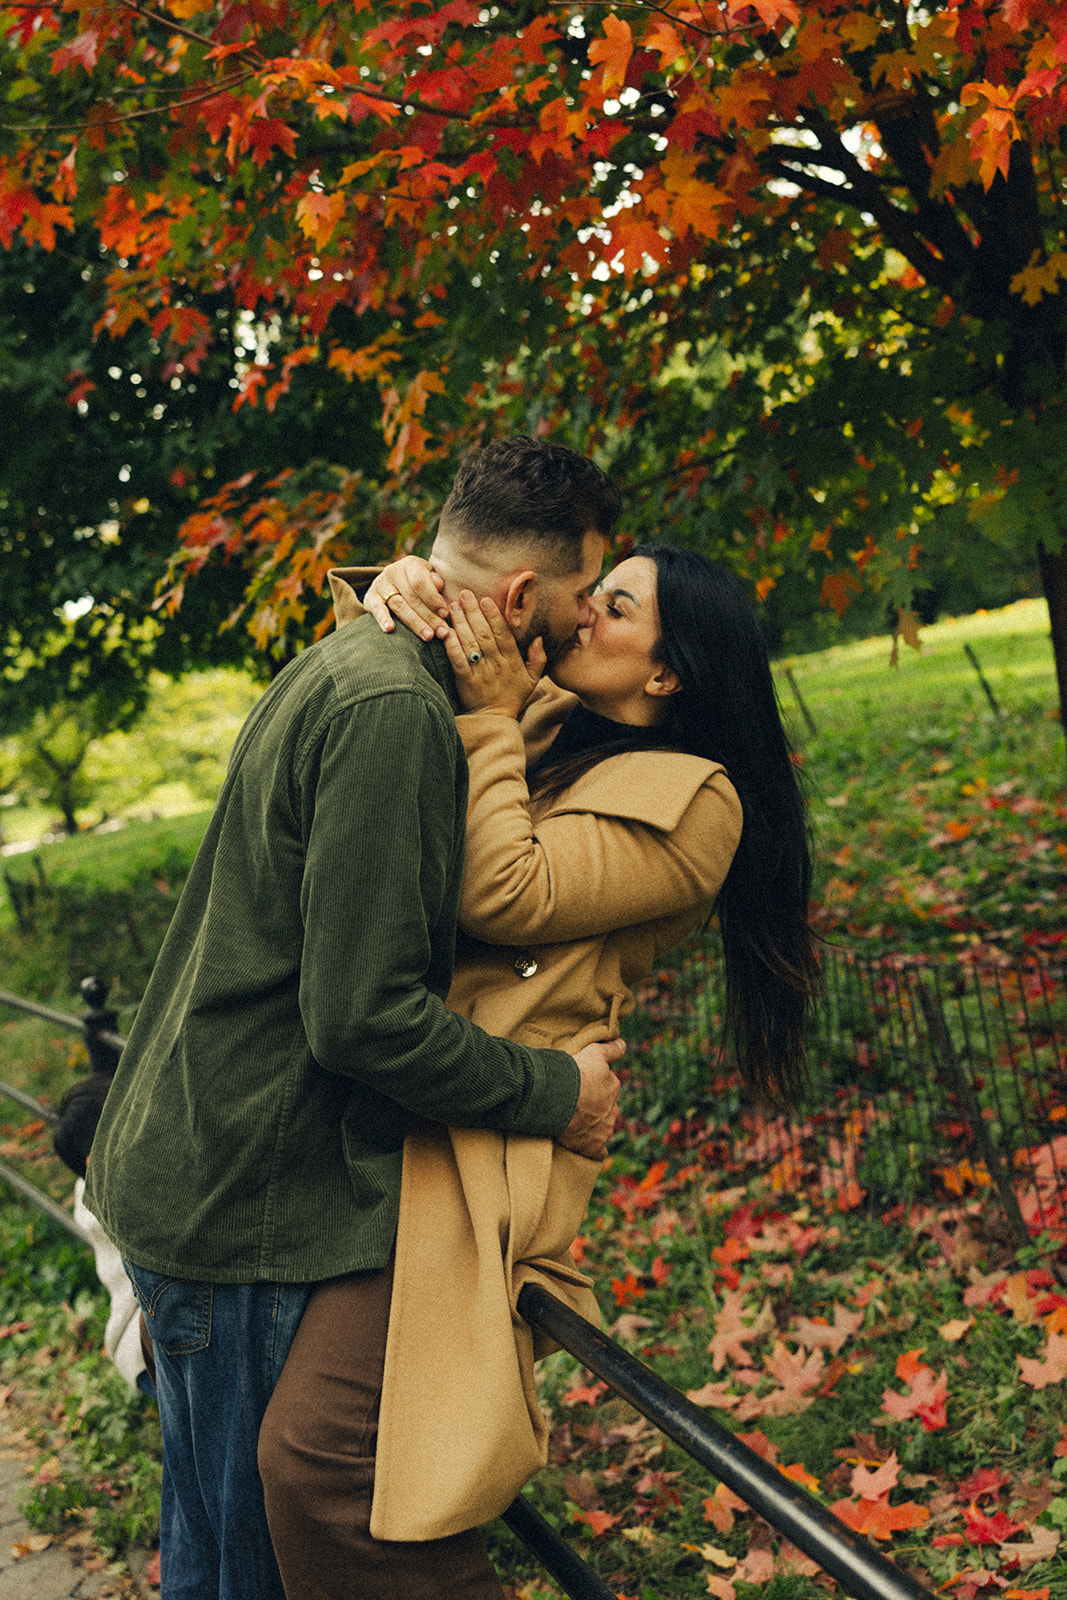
[[318, 215], [878, 1518], [721, 1507], [614, 50], [836, 588], [599, 1521], [799, 1473]]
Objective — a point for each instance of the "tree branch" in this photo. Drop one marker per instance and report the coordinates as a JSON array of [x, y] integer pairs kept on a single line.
[[127, 116]]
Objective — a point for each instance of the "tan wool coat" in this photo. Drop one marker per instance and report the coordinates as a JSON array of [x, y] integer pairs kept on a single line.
[[567, 905]]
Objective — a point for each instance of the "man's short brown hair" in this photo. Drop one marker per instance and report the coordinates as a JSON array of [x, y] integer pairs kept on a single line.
[[520, 490]]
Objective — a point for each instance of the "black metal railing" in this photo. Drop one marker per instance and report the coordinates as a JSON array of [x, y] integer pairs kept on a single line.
[[863, 1572], [97, 1027]]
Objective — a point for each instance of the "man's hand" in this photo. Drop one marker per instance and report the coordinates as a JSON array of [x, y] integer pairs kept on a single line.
[[593, 1122]]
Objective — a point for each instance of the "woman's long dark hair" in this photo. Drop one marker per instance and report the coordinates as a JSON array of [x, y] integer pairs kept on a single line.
[[727, 711]]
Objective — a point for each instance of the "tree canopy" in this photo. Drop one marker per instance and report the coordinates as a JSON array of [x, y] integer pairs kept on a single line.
[[796, 274]]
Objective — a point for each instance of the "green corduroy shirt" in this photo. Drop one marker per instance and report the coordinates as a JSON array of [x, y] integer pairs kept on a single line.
[[294, 1026]]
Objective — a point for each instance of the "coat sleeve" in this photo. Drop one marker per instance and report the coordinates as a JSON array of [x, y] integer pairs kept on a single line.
[[371, 929], [578, 873]]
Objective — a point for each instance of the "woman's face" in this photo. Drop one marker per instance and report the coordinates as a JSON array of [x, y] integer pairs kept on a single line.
[[612, 666]]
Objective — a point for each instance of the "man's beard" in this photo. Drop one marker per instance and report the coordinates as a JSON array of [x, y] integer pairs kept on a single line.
[[554, 644]]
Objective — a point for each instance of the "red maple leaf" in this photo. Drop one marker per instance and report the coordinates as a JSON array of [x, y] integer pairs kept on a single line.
[[989, 1480], [265, 133], [989, 1530], [585, 1394], [815, 1333]]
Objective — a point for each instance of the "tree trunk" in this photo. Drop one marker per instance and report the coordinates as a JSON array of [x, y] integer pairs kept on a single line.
[[1054, 579]]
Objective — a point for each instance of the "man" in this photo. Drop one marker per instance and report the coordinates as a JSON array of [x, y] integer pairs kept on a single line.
[[294, 1026]]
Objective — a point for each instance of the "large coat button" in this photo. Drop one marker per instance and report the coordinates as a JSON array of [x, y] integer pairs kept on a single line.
[[525, 966]]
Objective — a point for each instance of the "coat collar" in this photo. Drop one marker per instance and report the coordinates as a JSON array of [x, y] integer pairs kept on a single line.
[[344, 583], [655, 787]]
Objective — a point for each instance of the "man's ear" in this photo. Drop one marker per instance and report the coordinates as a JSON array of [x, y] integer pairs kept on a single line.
[[663, 681], [519, 599]]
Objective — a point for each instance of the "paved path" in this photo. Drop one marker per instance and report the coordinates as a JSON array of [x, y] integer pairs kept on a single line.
[[64, 1569]]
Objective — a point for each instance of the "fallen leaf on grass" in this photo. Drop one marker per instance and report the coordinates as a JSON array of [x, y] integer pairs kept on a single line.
[[1039, 1374], [717, 1557], [791, 1562], [952, 1332], [1018, 1300], [878, 1518], [585, 1394], [732, 1332], [757, 1567], [629, 1326], [582, 1490], [721, 1507], [873, 1485], [926, 1395], [798, 1473], [722, 1588], [712, 1394], [989, 1530], [796, 1376], [599, 1521], [988, 1480], [1044, 1542], [757, 1440], [816, 1334]]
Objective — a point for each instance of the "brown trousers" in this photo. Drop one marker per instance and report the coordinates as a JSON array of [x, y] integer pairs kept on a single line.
[[316, 1459]]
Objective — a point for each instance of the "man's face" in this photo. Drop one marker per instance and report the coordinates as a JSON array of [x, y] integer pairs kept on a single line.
[[562, 605]]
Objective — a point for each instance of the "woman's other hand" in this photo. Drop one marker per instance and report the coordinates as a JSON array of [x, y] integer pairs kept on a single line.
[[409, 591], [490, 672]]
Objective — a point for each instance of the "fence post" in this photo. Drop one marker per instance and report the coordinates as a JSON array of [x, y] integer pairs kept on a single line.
[[945, 1052], [100, 1020], [990, 696]]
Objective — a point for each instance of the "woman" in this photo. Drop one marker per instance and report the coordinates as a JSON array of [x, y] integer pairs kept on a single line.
[[674, 662], [610, 810]]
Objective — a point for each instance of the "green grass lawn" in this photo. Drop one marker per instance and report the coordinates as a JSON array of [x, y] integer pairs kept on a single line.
[[937, 823]]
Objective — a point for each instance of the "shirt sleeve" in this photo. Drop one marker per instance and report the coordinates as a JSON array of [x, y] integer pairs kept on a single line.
[[384, 829], [577, 874]]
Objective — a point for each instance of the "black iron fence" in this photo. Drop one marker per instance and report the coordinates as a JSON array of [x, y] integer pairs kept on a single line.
[[104, 1045], [926, 1076]]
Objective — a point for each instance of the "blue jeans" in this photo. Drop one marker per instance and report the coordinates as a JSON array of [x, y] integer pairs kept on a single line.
[[220, 1349]]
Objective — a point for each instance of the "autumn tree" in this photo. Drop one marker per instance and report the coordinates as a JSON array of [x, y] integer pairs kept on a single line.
[[796, 272]]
